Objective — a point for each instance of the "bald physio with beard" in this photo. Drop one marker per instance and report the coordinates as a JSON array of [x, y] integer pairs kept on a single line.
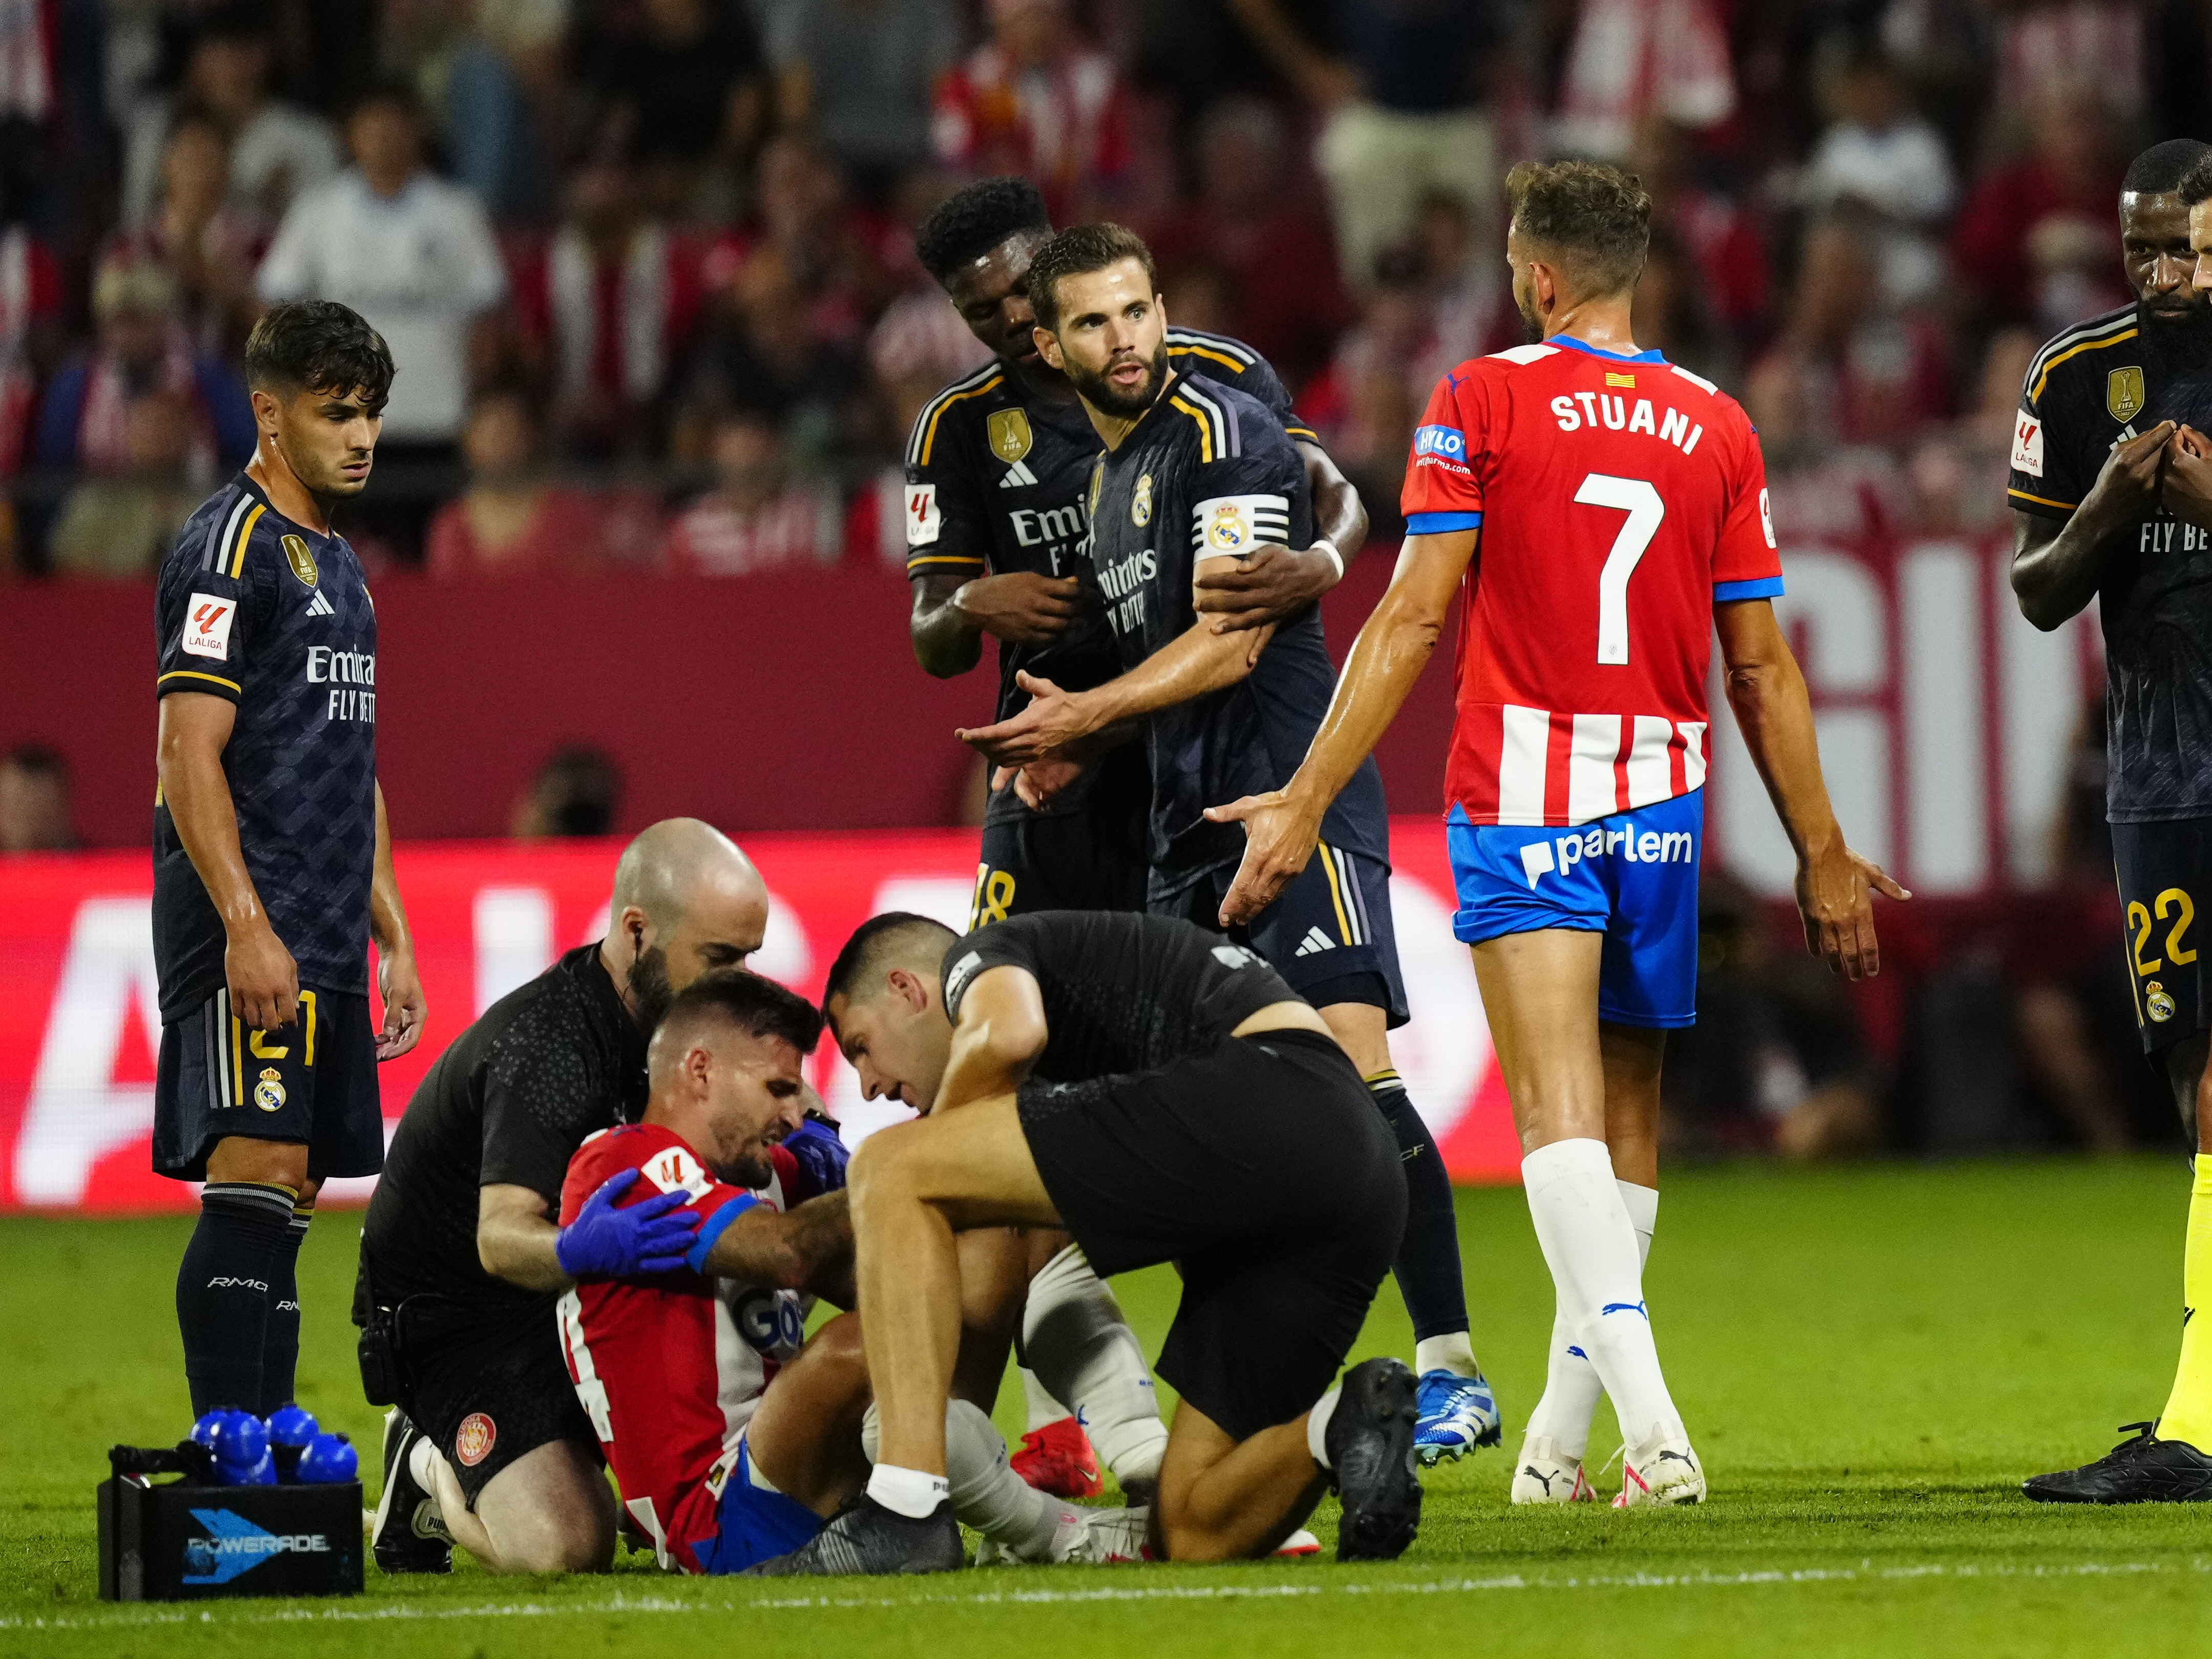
[[462, 1256]]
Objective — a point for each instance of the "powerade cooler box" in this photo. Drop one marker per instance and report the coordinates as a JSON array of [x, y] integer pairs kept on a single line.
[[189, 1540]]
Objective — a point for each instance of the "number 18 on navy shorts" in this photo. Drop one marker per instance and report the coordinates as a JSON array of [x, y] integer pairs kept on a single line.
[[1632, 876]]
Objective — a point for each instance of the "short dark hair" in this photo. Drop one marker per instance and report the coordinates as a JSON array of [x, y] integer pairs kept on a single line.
[[1077, 253], [759, 1007], [318, 345], [38, 760], [1597, 217], [875, 942], [2166, 166], [975, 219], [2195, 185]]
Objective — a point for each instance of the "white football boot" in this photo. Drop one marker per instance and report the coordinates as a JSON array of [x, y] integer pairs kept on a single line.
[[1097, 1537], [1547, 1474], [1660, 1469]]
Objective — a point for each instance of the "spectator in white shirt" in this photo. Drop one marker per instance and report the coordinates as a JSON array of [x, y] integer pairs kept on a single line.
[[277, 151], [1881, 154], [414, 256]]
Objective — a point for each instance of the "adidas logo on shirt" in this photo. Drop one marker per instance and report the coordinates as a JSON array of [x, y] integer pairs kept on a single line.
[[319, 606], [1314, 942], [1018, 475]]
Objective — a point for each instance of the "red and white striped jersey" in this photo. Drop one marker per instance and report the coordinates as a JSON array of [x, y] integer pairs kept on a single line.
[[671, 1368], [1619, 498]]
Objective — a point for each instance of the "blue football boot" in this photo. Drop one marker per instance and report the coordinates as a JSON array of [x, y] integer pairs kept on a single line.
[[1456, 1414]]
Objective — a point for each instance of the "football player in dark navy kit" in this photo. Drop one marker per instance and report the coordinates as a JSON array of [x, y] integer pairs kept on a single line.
[[273, 863], [2102, 478], [1196, 471], [996, 468]]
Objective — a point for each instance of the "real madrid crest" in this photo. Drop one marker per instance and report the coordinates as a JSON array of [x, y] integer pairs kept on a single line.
[[301, 561], [2157, 1004], [2123, 393], [1009, 433], [268, 1091], [1226, 531], [1141, 503]]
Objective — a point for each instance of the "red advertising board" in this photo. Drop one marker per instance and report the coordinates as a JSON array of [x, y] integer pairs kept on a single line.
[[79, 1031]]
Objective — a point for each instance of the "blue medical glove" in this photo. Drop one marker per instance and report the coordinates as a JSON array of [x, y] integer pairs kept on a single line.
[[648, 1238]]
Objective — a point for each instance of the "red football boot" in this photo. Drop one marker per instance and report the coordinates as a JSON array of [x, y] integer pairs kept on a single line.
[[1058, 1459]]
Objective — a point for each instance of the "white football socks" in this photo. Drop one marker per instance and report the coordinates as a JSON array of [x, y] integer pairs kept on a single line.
[[1043, 1408], [1453, 1354], [1084, 1353], [1571, 1389], [986, 1492], [1589, 1244], [1317, 1424]]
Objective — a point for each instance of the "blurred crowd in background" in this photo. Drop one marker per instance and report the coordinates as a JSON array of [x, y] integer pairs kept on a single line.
[[647, 268], [646, 265]]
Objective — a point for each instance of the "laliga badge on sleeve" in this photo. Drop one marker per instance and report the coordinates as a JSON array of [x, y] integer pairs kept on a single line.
[[207, 625], [2027, 446], [923, 521]]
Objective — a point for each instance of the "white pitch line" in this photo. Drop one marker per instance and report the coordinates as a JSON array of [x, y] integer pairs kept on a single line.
[[238, 1613]]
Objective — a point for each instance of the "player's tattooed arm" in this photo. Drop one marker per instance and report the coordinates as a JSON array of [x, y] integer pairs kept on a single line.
[[951, 615], [397, 980], [1001, 1034], [1835, 885], [1281, 827], [1273, 583], [263, 980], [2058, 564], [809, 1247]]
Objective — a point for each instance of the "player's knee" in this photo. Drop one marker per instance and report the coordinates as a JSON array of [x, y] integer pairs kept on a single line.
[[881, 1171], [1185, 1538], [570, 1543]]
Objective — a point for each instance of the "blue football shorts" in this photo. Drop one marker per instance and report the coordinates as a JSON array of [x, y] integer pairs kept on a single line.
[[758, 1523], [1632, 876]]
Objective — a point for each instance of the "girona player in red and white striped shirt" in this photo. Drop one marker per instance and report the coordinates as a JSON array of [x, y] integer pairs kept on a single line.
[[1606, 513]]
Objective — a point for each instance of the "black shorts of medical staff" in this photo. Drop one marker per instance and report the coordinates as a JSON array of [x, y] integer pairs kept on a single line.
[[1262, 1168], [312, 1083], [2165, 878], [484, 1381]]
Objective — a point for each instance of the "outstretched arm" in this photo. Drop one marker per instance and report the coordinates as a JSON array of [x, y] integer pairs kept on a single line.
[[1835, 885], [1281, 827], [1195, 663]]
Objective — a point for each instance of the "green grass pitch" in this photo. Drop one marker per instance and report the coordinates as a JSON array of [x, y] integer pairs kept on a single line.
[[1869, 1360]]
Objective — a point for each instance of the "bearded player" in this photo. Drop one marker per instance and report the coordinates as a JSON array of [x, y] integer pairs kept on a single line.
[[996, 468], [1194, 476], [1608, 513]]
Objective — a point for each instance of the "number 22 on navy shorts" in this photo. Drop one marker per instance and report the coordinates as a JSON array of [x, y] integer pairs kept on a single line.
[[1632, 876]]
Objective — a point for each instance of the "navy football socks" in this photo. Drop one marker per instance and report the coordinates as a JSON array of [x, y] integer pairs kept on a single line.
[[280, 1342], [1428, 1267], [225, 1291]]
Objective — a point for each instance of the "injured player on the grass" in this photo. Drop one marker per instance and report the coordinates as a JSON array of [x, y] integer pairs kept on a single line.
[[733, 1436]]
